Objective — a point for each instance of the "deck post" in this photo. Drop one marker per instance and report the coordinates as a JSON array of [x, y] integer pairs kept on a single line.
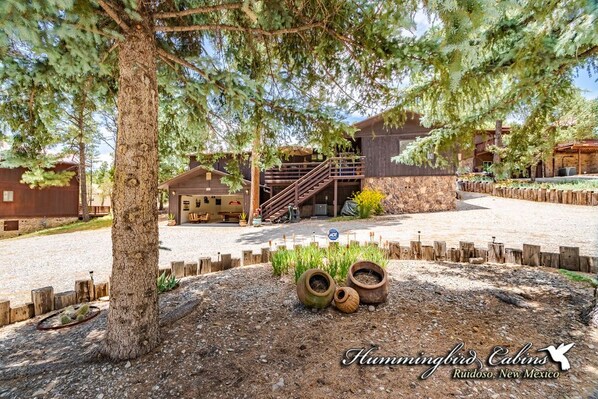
[[335, 201]]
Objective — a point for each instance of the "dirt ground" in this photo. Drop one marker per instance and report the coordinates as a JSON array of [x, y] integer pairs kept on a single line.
[[249, 337]]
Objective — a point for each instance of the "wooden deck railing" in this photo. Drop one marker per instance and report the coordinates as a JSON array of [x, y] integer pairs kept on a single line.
[[313, 181]]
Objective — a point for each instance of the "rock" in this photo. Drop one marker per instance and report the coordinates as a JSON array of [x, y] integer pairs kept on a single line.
[[371, 308], [288, 303], [128, 365], [476, 261], [278, 385]]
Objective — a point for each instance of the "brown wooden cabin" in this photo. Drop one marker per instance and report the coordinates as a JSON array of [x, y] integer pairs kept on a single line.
[[319, 186], [568, 158], [22, 208]]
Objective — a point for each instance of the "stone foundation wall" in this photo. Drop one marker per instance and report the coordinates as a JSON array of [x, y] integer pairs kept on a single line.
[[413, 194], [29, 225]]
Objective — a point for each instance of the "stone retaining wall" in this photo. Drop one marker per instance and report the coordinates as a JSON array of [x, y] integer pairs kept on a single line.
[[415, 194], [29, 225], [557, 196]]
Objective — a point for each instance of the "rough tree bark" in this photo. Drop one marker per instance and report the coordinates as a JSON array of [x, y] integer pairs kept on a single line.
[[133, 324], [498, 144], [83, 179], [254, 200]]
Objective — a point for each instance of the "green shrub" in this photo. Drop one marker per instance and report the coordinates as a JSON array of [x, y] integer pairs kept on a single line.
[[368, 201], [166, 283]]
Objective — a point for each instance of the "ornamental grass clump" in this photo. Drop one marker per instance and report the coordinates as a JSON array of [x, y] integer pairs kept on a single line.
[[309, 257], [368, 201], [335, 260], [282, 260]]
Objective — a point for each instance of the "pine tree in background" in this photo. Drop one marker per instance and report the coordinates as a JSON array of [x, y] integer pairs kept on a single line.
[[487, 61]]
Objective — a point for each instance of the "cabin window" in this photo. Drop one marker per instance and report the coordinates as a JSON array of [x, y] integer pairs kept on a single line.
[[403, 144], [11, 225], [8, 196]]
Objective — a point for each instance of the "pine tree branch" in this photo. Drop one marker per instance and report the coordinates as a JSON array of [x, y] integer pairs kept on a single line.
[[233, 28], [198, 10], [169, 56], [112, 14]]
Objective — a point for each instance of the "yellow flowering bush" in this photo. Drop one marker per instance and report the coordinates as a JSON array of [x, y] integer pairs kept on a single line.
[[368, 200]]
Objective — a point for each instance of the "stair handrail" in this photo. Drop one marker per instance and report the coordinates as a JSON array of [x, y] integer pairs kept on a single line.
[[290, 189]]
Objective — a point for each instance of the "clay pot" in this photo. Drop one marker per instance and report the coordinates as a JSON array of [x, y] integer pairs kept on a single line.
[[308, 292], [346, 299], [369, 293]]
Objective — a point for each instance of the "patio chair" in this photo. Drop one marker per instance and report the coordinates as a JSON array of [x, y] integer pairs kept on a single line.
[[205, 218]]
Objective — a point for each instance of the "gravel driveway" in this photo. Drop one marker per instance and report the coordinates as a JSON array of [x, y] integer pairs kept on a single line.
[[59, 260]]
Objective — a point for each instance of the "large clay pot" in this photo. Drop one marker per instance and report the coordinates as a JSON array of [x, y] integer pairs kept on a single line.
[[315, 298], [369, 293], [346, 299]]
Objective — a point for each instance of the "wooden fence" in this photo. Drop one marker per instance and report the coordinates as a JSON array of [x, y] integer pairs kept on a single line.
[[44, 300], [557, 196]]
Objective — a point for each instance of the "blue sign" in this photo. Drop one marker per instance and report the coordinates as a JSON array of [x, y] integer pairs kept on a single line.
[[333, 234]]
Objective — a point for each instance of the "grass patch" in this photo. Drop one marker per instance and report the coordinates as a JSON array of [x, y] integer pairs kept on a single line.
[[579, 278], [93, 224], [335, 260]]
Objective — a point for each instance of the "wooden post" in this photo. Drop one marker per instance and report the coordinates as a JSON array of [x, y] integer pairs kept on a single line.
[[43, 300], [406, 253], [4, 313], [496, 252], [427, 252], [217, 266], [569, 258], [64, 299], [178, 268], [165, 270], [440, 250], [354, 243], [84, 291], [481, 253], [513, 256], [584, 264], [205, 265], [235, 262], [256, 259], [103, 290], [531, 255], [549, 259], [191, 269], [21, 313], [593, 264], [247, 257], [227, 262], [416, 249], [265, 255], [394, 250], [467, 250], [335, 204], [454, 255]]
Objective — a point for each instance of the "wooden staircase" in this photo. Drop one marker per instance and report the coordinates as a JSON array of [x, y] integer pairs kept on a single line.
[[308, 185]]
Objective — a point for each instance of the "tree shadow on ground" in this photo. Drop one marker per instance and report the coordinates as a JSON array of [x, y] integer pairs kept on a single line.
[[306, 229]]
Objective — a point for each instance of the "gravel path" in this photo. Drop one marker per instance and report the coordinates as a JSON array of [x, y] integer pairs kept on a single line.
[[58, 260]]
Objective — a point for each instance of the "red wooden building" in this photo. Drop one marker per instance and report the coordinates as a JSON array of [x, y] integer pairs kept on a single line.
[[23, 209]]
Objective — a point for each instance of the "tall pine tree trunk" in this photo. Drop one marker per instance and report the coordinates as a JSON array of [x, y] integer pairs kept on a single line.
[[255, 175], [83, 180], [133, 325], [498, 143]]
